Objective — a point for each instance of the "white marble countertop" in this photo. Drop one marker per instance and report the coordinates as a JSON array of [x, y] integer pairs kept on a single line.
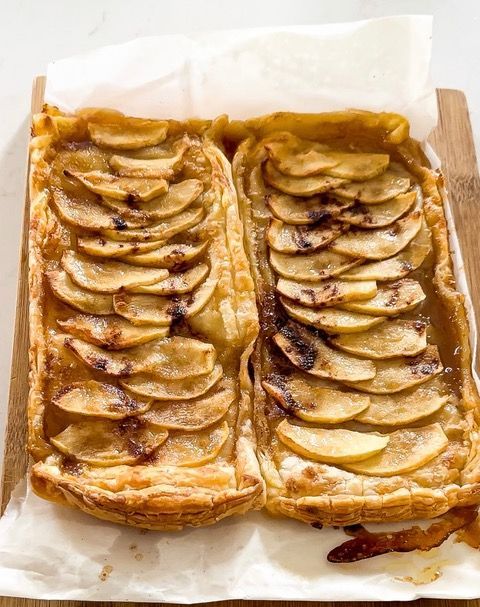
[[33, 33]]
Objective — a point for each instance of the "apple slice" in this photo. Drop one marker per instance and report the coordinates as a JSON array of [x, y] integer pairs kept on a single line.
[[103, 247], [393, 182], [107, 276], [183, 449], [331, 320], [194, 414], [326, 292], [304, 211], [314, 267], [407, 450], [109, 443], [300, 186], [391, 299], [286, 238], [298, 157], [389, 340], [85, 301], [379, 215], [357, 166], [379, 243], [311, 354], [173, 257], [311, 401], [163, 311], [121, 188], [97, 399], [110, 332], [330, 446], [158, 388], [165, 167], [177, 283], [401, 373], [128, 133]]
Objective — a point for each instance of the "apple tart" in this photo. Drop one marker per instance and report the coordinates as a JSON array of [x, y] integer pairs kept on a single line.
[[365, 405], [142, 321]]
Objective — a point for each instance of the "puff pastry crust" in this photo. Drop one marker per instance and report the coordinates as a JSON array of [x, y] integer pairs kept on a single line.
[[142, 321]]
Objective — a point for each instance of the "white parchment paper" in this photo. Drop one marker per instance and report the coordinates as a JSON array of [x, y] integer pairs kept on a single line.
[[51, 552]]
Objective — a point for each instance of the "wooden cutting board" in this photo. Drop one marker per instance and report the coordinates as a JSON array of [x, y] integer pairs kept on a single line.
[[453, 142]]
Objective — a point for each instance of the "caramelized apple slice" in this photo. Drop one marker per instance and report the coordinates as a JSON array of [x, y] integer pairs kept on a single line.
[[160, 231], [404, 407], [192, 449], [391, 299], [285, 238], [173, 257], [379, 215], [193, 414], [357, 166], [310, 353], [121, 188], [388, 340], [110, 332], [305, 211], [169, 358], [154, 167], [407, 450], [379, 243], [129, 133], [311, 401], [103, 247], [76, 297], [401, 373], [177, 283], [300, 186], [173, 389], [297, 157], [107, 276], [97, 399], [398, 266], [109, 443], [88, 215], [331, 320], [177, 199], [330, 446], [314, 267], [393, 182], [163, 311], [326, 292]]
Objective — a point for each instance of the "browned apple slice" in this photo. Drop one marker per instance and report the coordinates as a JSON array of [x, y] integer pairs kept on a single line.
[[311, 401], [330, 446], [314, 267], [110, 332], [194, 414], [76, 297], [379, 215], [310, 353], [159, 388], [109, 443], [163, 311], [379, 243], [97, 399], [326, 292], [401, 373], [154, 167], [391, 299], [192, 449], [331, 320], [107, 276], [300, 186], [177, 283], [129, 133], [393, 182], [297, 157], [388, 340], [286, 238], [357, 166], [304, 211], [173, 257], [98, 246], [160, 231], [403, 407], [169, 358], [122, 188], [407, 450]]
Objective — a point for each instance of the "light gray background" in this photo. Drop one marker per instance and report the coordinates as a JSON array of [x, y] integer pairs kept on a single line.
[[33, 32]]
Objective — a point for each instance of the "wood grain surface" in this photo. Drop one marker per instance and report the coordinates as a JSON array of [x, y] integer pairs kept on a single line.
[[453, 142]]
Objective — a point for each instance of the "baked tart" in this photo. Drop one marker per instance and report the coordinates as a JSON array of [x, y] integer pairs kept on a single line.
[[365, 404], [142, 321]]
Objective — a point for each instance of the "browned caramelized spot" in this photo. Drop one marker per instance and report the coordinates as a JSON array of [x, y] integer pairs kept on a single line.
[[300, 237], [366, 545], [306, 352], [289, 403], [177, 310], [319, 215], [69, 465], [406, 266], [419, 326], [119, 223], [421, 365], [393, 299]]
